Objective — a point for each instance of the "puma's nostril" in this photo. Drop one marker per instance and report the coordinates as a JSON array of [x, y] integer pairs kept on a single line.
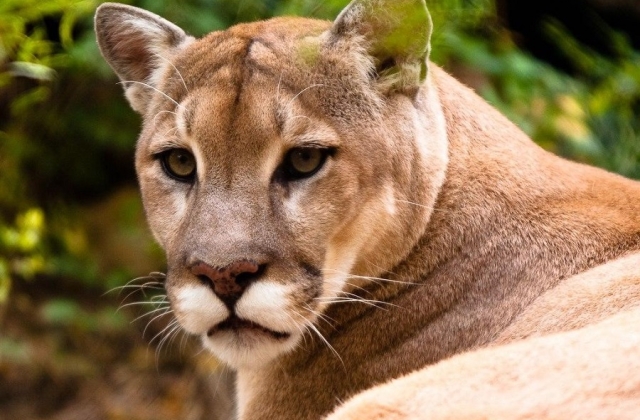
[[245, 279], [204, 280]]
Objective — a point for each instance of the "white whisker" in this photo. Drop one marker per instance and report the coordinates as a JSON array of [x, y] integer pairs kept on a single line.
[[358, 299], [153, 88], [170, 131], [326, 342], [169, 326], [176, 69], [184, 340], [163, 112], [432, 208], [300, 116], [300, 93], [356, 286], [152, 301], [319, 315], [153, 311], [169, 311], [278, 88], [373, 279], [173, 330], [156, 276], [302, 331]]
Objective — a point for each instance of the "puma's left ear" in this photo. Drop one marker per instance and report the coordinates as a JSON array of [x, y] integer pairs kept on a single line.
[[396, 35]]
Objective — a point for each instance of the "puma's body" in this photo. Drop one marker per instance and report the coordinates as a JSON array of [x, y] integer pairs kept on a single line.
[[589, 373], [430, 227], [512, 221]]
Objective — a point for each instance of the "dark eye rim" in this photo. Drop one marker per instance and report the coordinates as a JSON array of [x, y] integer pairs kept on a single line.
[[164, 155], [292, 174]]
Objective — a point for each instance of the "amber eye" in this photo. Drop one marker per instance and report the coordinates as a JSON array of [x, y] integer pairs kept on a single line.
[[179, 164], [303, 162]]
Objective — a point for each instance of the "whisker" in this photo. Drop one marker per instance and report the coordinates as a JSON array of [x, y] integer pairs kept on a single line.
[[147, 285], [357, 287], [380, 279], [166, 339], [172, 130], [158, 298], [299, 116], [151, 312], [382, 269], [326, 342], [168, 311], [153, 276], [415, 204], [184, 340], [166, 111], [301, 92], [345, 299], [140, 288], [199, 352], [131, 294], [176, 69], [173, 334], [171, 325], [319, 315], [432, 208], [124, 82], [302, 332], [278, 88], [347, 295], [141, 303]]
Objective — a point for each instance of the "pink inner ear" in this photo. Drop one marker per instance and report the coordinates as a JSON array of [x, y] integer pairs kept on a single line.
[[133, 56]]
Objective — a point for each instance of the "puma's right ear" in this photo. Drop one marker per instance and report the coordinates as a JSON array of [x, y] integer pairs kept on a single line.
[[136, 44]]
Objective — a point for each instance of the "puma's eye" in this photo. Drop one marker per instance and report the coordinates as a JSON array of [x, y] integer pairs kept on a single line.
[[303, 162], [179, 164]]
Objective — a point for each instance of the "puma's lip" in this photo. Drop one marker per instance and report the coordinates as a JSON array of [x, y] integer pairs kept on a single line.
[[238, 325]]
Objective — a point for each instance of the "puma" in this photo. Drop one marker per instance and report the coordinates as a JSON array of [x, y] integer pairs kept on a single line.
[[358, 235]]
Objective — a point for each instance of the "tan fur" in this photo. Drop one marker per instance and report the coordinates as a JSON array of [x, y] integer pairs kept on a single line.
[[586, 373], [436, 228]]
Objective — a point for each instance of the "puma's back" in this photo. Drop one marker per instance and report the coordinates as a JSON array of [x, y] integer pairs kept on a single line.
[[338, 212]]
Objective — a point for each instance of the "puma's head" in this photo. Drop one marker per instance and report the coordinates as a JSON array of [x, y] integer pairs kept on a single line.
[[281, 163]]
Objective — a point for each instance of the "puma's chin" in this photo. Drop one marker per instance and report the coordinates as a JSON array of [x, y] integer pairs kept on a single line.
[[244, 344]]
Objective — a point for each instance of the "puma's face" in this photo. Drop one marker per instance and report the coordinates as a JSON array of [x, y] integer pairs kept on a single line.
[[276, 170]]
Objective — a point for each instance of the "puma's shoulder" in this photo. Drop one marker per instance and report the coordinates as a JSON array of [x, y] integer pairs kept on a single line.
[[584, 373]]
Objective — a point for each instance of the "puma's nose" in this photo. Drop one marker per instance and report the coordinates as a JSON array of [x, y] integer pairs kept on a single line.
[[230, 281]]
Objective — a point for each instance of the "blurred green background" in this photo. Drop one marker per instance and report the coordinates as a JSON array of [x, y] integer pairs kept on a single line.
[[71, 223]]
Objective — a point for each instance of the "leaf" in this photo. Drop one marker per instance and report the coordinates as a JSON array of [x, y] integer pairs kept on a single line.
[[31, 70], [61, 312]]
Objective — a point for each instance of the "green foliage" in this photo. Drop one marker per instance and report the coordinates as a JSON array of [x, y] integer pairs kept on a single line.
[[540, 99], [13, 350], [21, 249], [71, 222], [589, 117], [69, 313], [26, 53], [611, 96], [25, 49]]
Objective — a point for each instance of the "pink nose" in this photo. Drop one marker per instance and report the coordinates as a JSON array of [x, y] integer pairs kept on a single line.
[[228, 282]]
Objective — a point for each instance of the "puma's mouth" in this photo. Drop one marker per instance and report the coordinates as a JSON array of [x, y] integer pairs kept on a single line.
[[233, 323]]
